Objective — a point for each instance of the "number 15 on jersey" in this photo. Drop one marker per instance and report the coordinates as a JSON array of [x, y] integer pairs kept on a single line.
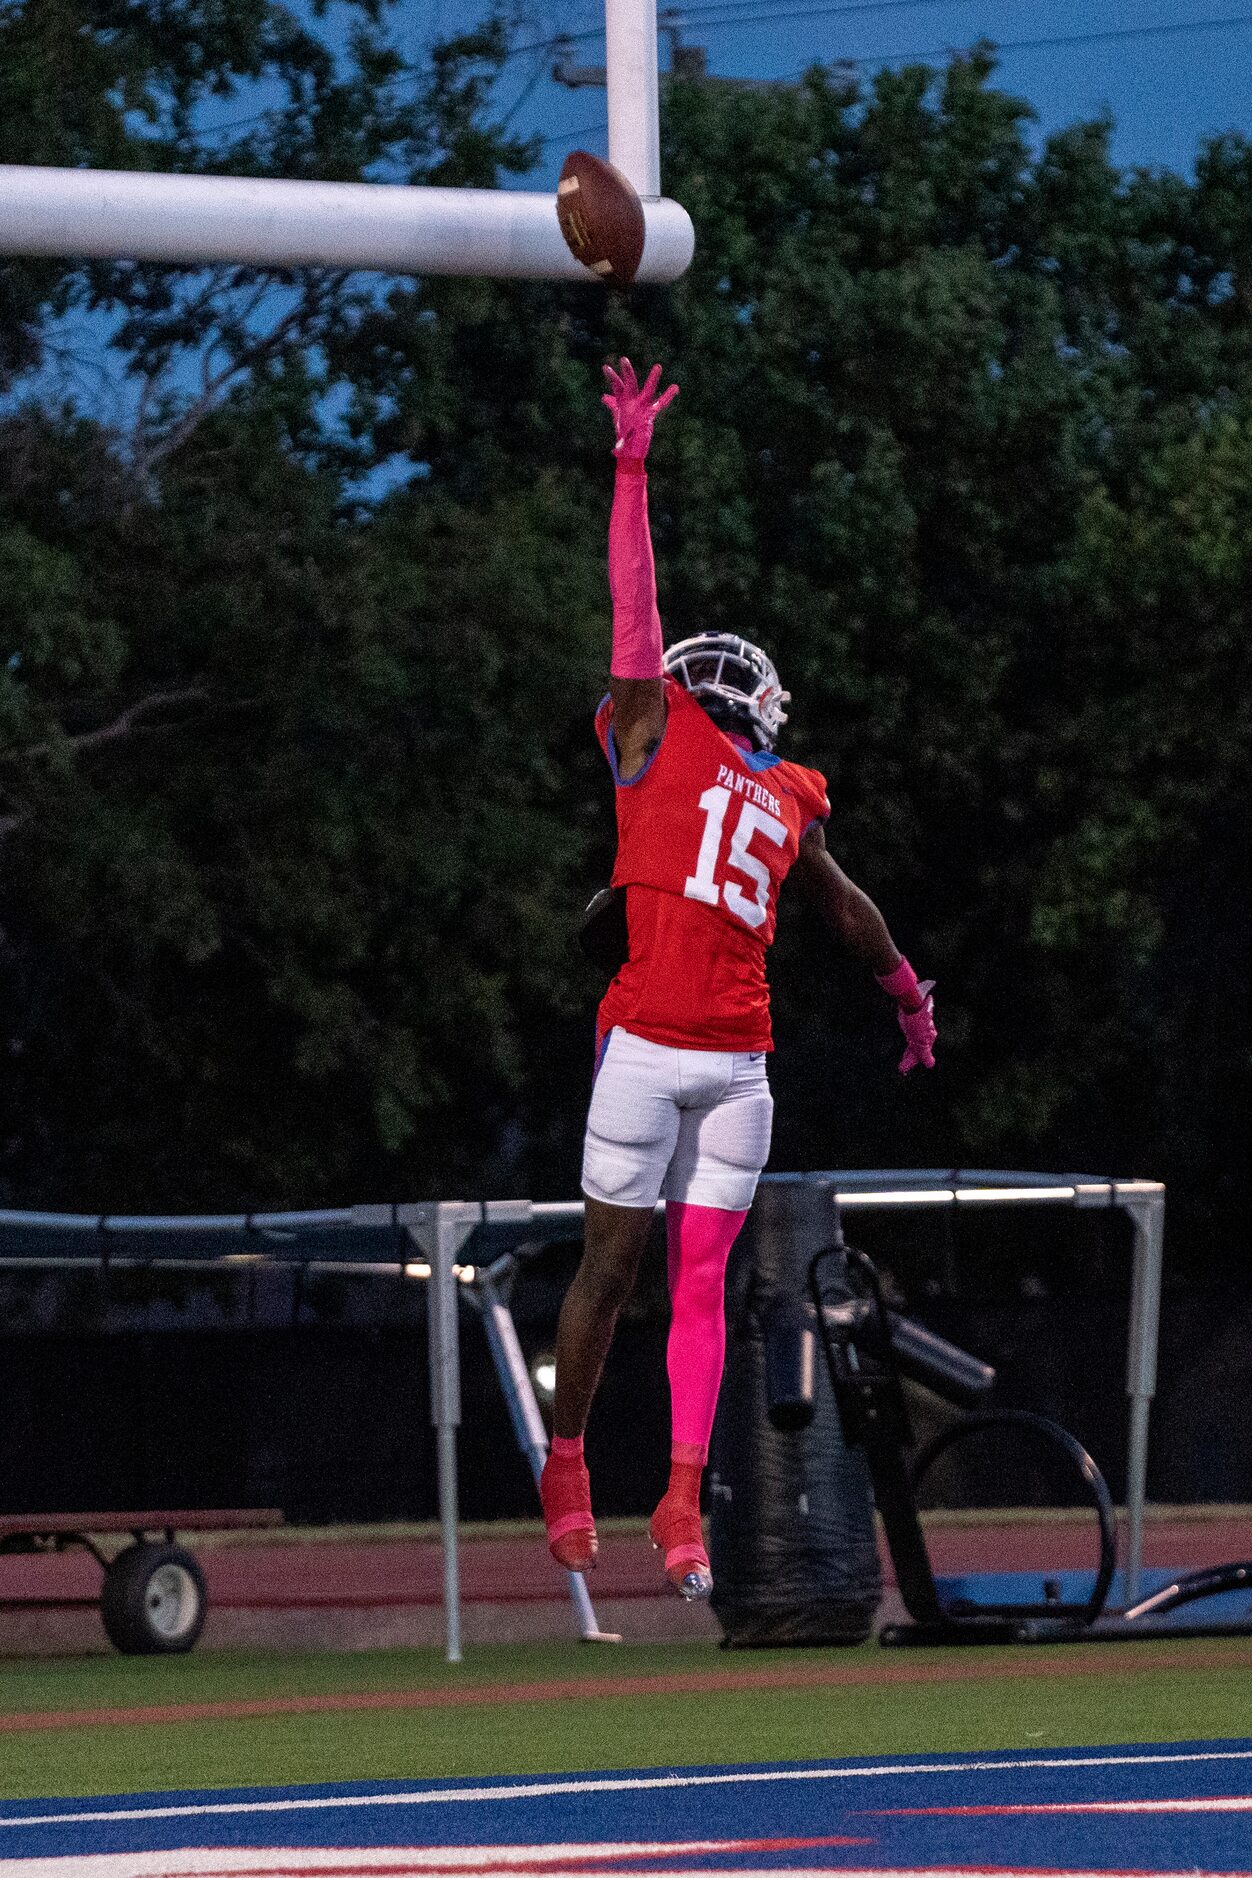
[[705, 883]]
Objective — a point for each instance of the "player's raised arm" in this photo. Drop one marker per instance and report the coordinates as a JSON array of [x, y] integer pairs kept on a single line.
[[852, 915], [635, 682]]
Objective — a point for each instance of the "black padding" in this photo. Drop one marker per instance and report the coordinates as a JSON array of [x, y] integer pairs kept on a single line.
[[602, 934], [791, 1524]]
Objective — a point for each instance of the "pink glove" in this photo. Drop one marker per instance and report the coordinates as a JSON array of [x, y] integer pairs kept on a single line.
[[916, 1014], [919, 1030], [635, 409]]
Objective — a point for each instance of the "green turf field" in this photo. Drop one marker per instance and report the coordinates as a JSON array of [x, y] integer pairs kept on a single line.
[[995, 1705]]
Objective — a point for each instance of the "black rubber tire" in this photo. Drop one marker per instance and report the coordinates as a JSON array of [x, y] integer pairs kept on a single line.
[[153, 1600]]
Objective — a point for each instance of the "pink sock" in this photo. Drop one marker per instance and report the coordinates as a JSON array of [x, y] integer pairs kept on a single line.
[[567, 1447], [700, 1238]]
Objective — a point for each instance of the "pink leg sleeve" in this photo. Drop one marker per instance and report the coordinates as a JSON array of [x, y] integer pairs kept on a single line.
[[632, 577], [700, 1238]]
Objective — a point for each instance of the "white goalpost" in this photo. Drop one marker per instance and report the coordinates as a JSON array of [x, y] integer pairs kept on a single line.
[[262, 222]]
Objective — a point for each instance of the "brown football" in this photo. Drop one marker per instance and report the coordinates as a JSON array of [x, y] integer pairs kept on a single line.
[[601, 217]]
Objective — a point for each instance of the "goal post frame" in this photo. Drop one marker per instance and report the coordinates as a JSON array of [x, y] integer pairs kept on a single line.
[[445, 1234], [506, 234]]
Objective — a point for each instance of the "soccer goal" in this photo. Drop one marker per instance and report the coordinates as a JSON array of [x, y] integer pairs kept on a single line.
[[244, 221]]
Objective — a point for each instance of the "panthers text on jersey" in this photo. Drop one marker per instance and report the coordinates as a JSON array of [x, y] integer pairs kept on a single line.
[[706, 834]]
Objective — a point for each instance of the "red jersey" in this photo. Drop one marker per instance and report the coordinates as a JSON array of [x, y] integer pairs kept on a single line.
[[706, 834]]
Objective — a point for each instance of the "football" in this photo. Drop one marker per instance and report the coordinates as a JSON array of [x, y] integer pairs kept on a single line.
[[601, 217]]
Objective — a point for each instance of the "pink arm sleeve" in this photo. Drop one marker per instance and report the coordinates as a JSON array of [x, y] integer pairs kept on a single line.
[[901, 984], [632, 577]]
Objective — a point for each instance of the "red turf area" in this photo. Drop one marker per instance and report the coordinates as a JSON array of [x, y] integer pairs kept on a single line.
[[283, 1571]]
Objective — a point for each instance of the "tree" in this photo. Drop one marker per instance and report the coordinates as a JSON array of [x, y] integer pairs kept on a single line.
[[301, 792]]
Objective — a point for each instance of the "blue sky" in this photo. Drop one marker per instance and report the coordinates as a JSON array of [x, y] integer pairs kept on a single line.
[[1168, 78], [1166, 89]]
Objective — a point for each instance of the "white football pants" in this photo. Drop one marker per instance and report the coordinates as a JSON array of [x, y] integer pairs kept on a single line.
[[695, 1123]]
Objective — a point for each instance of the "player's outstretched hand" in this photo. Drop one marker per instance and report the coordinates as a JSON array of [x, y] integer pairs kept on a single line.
[[919, 1031], [635, 407]]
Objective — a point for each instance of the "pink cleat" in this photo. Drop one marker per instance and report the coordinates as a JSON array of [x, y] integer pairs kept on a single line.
[[675, 1530], [565, 1490]]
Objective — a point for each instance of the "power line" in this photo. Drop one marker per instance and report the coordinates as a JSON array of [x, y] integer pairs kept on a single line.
[[1170, 29], [712, 14], [681, 16], [693, 15], [1067, 39], [1061, 39], [1167, 29], [412, 76], [568, 136], [557, 39], [677, 15]]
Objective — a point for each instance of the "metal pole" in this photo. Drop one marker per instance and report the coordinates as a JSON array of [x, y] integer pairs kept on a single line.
[[634, 109], [1148, 1219], [532, 1436], [441, 1246], [446, 1438]]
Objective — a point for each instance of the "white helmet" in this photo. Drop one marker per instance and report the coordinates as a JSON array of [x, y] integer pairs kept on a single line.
[[734, 680]]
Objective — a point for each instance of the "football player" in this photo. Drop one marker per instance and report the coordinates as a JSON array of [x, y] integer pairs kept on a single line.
[[710, 821]]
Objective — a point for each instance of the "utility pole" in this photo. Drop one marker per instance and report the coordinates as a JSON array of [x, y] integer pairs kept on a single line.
[[575, 77], [689, 64]]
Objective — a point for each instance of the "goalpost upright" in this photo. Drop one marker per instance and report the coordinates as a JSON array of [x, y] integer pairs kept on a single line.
[[634, 95]]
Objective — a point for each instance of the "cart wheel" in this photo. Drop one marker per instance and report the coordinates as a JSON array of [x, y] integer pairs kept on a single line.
[[153, 1600]]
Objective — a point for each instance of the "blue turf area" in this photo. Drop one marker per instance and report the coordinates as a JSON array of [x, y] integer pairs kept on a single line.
[[1231, 1607], [1175, 1808]]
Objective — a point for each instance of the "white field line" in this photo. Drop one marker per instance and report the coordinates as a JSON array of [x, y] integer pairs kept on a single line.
[[406, 1862], [461, 1861], [578, 1784], [400, 1862], [1220, 1803]]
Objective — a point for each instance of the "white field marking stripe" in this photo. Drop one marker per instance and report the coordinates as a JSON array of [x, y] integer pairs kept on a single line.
[[448, 1858], [644, 1783], [1221, 1804], [421, 1861], [382, 1860]]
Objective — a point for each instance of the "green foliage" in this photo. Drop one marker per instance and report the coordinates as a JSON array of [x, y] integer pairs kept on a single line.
[[299, 794]]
